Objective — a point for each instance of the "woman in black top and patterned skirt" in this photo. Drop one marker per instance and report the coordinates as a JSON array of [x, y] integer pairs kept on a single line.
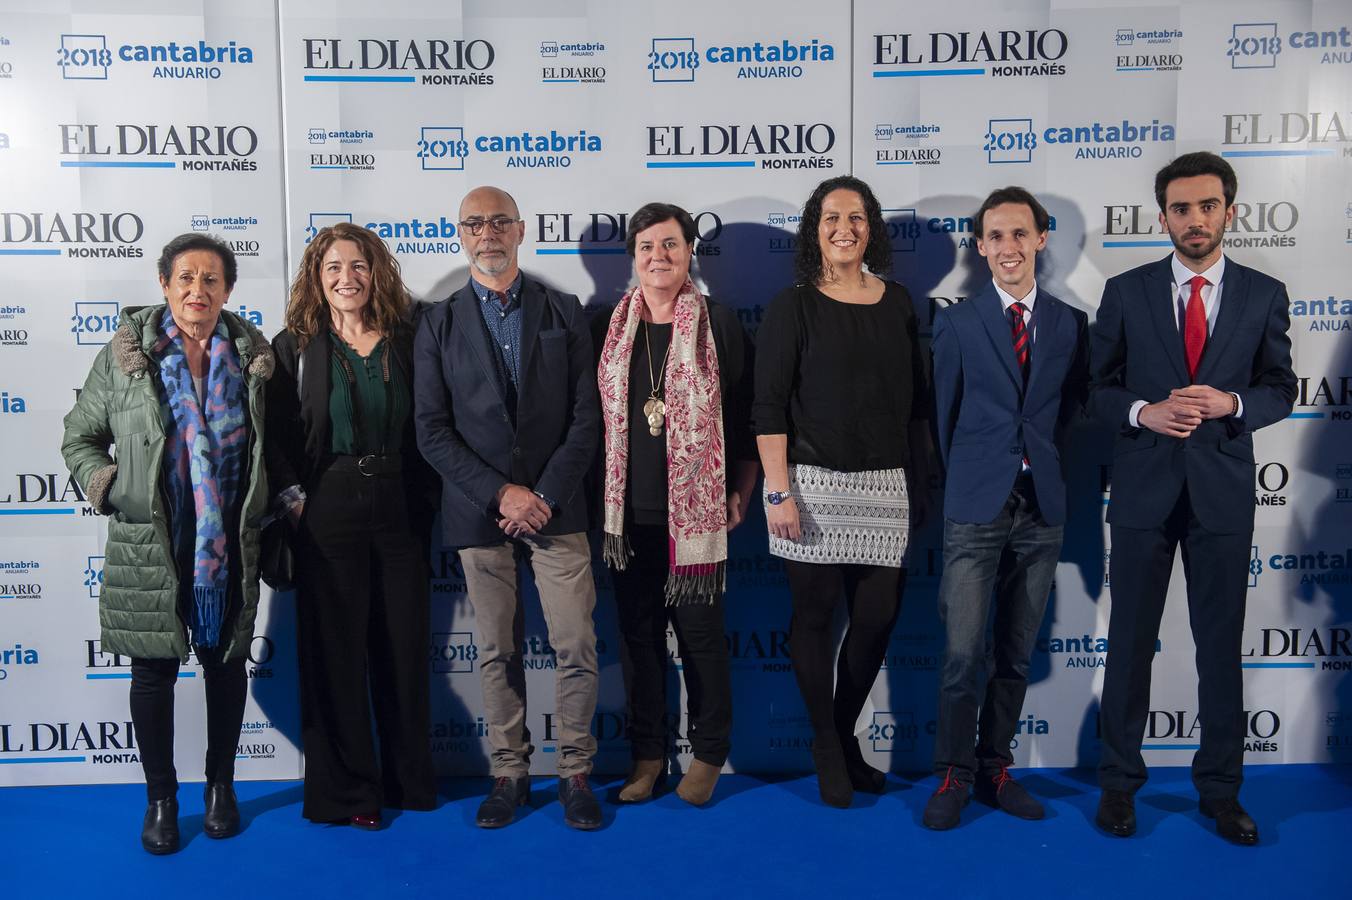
[[675, 381], [343, 462], [841, 410]]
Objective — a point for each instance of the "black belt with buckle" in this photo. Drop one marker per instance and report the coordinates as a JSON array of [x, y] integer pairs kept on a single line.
[[370, 465]]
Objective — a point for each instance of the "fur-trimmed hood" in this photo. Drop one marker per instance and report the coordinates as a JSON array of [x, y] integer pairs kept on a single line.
[[138, 332]]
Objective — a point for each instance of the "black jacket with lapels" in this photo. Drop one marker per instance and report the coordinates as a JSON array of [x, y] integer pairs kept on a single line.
[[464, 425]]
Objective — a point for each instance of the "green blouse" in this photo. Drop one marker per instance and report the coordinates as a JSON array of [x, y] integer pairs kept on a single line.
[[376, 421]]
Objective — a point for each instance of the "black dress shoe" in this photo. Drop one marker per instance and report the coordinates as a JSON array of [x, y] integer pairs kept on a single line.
[[499, 807], [1232, 822], [221, 819], [580, 807], [1117, 813], [159, 830]]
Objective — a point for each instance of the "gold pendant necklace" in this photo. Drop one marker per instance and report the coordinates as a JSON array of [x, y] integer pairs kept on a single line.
[[653, 407]]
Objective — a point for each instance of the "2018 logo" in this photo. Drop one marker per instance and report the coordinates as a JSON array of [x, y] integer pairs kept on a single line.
[[454, 652], [94, 321], [443, 148], [93, 575], [1009, 141]]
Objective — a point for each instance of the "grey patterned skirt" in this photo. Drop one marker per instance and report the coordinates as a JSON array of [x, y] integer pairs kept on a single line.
[[848, 517]]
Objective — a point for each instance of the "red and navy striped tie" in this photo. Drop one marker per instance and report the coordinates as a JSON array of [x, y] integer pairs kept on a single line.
[[1021, 339]]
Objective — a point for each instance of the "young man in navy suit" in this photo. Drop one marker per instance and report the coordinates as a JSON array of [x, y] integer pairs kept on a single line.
[[1010, 370], [1190, 356]]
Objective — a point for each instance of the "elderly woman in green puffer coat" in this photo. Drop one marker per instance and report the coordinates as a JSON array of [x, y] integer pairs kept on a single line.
[[178, 397]]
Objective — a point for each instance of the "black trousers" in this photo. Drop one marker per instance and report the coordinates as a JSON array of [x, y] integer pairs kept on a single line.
[[152, 715], [643, 616], [873, 599], [363, 625], [1216, 567]]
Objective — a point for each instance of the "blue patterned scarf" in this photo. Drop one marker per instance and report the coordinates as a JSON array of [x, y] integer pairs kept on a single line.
[[204, 458]]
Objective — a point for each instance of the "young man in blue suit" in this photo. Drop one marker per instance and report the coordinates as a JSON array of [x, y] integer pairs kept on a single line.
[[1010, 371], [1190, 356], [506, 410]]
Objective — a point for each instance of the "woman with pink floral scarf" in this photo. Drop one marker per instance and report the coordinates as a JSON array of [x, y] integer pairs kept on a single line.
[[675, 378]]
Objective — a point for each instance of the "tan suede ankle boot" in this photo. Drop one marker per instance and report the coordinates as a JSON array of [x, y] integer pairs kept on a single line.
[[639, 785], [698, 784]]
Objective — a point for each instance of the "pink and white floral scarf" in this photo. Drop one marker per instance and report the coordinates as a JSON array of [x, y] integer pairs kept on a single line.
[[697, 510]]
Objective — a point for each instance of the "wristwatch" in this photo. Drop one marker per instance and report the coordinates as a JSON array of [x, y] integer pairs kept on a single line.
[[776, 497]]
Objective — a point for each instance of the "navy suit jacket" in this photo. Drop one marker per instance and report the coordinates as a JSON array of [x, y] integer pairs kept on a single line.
[[466, 431], [1136, 353], [987, 421]]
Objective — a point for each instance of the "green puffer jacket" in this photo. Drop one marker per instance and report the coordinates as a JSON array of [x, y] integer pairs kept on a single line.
[[121, 406]]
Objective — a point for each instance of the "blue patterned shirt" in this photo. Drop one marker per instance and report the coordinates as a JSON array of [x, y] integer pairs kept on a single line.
[[504, 327]]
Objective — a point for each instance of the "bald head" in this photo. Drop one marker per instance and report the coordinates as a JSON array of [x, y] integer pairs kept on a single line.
[[488, 197], [492, 252]]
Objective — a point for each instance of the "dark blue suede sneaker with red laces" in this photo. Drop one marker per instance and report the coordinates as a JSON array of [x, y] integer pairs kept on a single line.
[[944, 809]]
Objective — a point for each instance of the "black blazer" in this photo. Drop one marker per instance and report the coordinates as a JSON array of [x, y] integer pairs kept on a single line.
[[1136, 353], [297, 446], [466, 432]]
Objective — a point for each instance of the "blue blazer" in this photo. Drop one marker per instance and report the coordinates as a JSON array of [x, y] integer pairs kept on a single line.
[[466, 432], [1136, 353], [987, 421]]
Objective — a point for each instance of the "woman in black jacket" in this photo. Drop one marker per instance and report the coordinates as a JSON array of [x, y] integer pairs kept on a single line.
[[344, 465]]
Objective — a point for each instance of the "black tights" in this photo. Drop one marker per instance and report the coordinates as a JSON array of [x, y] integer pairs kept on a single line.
[[873, 599], [152, 715]]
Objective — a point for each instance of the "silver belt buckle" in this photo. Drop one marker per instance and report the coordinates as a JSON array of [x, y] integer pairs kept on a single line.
[[361, 465]]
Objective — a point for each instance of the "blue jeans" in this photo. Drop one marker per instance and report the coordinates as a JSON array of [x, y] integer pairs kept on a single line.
[[1013, 559]]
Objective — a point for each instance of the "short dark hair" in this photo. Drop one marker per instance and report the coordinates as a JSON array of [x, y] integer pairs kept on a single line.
[[650, 214], [807, 260], [1011, 194], [1190, 165], [193, 240]]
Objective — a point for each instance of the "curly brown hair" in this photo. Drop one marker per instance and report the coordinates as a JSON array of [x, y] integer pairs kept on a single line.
[[307, 312], [807, 262]]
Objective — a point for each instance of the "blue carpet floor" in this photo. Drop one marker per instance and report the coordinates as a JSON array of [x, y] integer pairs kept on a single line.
[[759, 838]]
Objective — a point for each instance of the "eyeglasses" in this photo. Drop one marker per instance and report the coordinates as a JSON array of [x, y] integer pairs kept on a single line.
[[499, 224]]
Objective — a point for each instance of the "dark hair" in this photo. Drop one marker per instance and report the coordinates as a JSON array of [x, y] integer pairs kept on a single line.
[[807, 260], [650, 214], [1011, 194], [307, 311], [192, 240], [1190, 165]]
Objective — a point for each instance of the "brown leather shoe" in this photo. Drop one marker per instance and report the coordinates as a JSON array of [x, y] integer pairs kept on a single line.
[[642, 777], [698, 784]]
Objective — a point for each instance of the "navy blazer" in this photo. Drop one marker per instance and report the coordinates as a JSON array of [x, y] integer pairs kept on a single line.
[[1136, 353], [987, 421], [466, 432]]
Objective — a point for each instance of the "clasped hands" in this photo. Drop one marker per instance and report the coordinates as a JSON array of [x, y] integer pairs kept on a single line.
[[1179, 414], [522, 512]]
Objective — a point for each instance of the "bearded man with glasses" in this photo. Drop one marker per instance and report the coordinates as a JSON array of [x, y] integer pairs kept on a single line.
[[506, 410]]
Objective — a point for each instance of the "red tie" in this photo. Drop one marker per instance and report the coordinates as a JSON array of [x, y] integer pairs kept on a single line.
[[1020, 335], [1194, 326]]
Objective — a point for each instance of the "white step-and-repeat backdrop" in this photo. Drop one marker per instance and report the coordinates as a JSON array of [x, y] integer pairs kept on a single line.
[[123, 124]]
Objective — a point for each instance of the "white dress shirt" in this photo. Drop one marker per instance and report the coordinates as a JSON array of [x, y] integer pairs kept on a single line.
[[1211, 302]]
